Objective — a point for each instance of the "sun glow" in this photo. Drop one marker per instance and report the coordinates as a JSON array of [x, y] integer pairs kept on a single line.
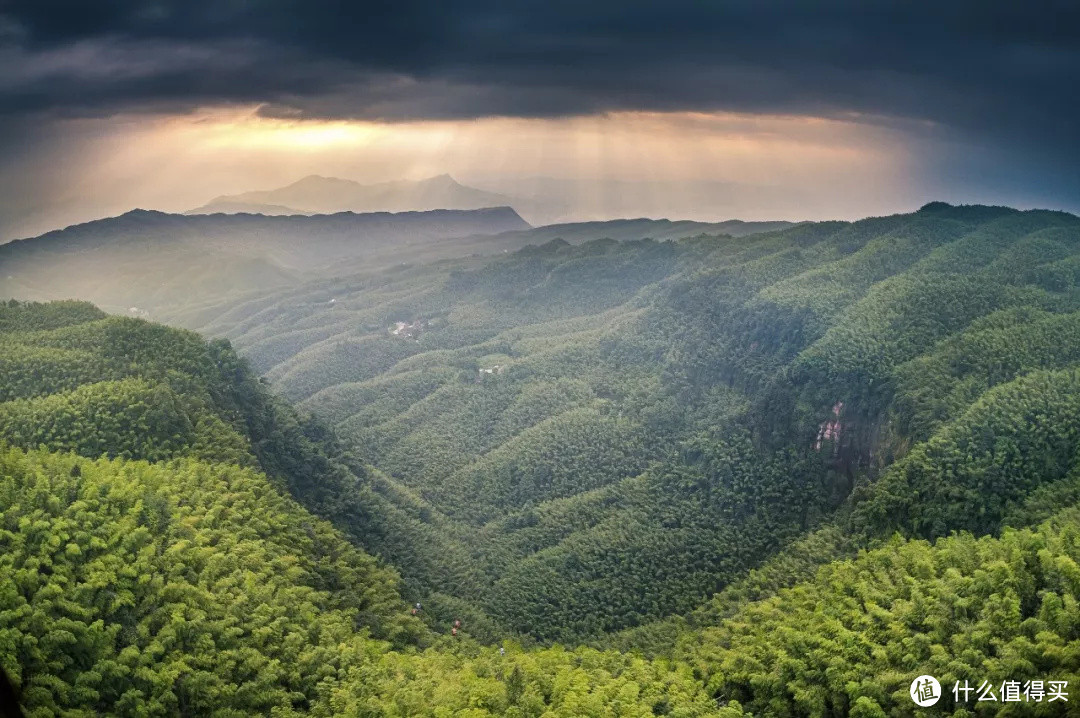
[[263, 134], [629, 145], [770, 166]]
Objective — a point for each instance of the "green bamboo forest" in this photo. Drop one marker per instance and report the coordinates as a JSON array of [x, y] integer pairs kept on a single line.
[[776, 474]]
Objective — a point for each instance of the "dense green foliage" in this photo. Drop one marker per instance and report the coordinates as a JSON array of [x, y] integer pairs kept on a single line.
[[788, 472], [181, 587], [190, 588], [851, 640], [171, 576], [580, 439]]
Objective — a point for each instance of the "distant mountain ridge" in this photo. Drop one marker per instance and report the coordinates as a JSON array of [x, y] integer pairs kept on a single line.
[[167, 266], [146, 259], [316, 194], [227, 231], [625, 230]]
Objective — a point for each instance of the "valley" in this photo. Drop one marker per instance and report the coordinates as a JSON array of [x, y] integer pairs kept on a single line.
[[539, 360], [660, 452]]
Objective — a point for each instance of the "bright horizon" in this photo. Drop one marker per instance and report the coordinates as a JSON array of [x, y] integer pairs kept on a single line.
[[693, 112], [771, 167]]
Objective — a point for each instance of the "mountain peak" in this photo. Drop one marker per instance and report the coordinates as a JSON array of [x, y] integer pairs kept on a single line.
[[316, 180], [318, 194], [935, 206], [321, 180]]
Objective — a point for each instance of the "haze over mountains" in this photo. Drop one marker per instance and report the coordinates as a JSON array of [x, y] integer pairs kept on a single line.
[[640, 228], [540, 200], [325, 195], [557, 200], [151, 263], [149, 260]]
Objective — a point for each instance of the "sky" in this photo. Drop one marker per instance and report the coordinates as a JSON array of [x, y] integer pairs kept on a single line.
[[685, 108]]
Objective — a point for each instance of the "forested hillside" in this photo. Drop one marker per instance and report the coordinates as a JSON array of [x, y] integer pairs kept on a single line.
[[145, 263], [781, 474], [152, 562], [184, 268], [584, 438]]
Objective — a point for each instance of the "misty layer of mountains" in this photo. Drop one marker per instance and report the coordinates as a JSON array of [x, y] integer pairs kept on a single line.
[[146, 259], [540, 200], [326, 195], [150, 263]]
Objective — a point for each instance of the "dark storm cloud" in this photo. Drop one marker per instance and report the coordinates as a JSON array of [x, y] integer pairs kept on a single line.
[[1001, 69]]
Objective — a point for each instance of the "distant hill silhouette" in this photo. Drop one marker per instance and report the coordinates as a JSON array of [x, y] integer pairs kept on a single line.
[[641, 228], [158, 265], [143, 259], [323, 195]]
